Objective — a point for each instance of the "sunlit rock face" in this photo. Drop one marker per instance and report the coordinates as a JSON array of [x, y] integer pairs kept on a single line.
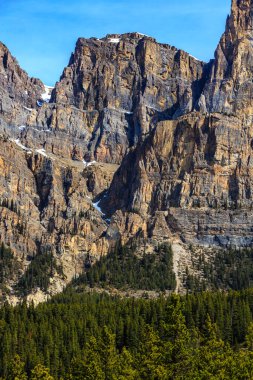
[[18, 92], [128, 82], [230, 86], [194, 173]]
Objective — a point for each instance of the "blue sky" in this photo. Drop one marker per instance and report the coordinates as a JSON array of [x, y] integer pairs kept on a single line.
[[41, 34]]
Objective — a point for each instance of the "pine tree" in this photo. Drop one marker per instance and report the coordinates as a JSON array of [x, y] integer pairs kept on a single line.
[[41, 373], [127, 370], [17, 369], [150, 358]]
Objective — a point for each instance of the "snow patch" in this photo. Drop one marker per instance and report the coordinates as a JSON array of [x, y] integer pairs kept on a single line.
[[91, 163], [86, 164], [18, 143], [114, 40], [96, 206], [42, 152], [121, 110], [196, 59], [141, 34], [46, 96], [28, 150], [36, 129]]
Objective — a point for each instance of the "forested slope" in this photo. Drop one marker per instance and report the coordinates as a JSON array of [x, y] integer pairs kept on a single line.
[[80, 336]]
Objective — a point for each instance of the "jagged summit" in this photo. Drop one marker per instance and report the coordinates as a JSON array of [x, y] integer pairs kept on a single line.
[[230, 84], [124, 36], [240, 22], [116, 38]]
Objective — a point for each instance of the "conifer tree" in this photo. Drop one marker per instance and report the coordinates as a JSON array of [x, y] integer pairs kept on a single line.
[[41, 373], [17, 369]]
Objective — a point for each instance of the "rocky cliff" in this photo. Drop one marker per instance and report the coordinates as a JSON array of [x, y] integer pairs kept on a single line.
[[193, 175], [131, 82], [46, 195], [138, 141], [18, 92]]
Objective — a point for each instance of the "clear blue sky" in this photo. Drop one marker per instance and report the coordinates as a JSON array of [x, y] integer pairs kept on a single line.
[[41, 34]]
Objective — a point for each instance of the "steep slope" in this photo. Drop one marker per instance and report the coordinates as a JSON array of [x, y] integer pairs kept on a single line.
[[193, 176]]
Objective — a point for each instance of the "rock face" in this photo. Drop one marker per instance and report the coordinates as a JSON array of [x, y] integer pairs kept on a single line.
[[230, 85], [17, 91], [178, 133], [46, 206], [192, 176], [124, 84], [113, 93]]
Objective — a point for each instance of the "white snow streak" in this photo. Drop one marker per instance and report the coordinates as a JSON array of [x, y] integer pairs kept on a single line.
[[28, 109], [120, 110], [194, 57], [86, 164], [18, 143], [42, 152], [141, 34], [96, 206], [114, 40]]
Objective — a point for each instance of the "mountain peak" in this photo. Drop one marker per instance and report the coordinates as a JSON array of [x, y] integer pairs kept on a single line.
[[230, 86], [240, 21]]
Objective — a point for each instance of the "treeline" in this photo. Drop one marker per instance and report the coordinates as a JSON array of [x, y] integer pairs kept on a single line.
[[123, 269], [90, 336]]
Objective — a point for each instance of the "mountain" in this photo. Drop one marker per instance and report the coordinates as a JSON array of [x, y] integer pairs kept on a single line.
[[129, 81], [138, 143], [192, 175]]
